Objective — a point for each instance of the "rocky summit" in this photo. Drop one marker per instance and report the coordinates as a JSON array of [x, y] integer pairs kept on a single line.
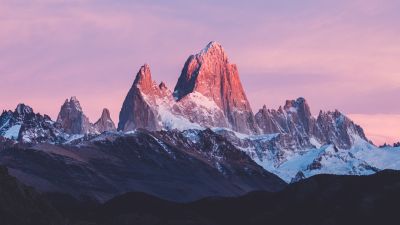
[[295, 119], [138, 109], [75, 122], [72, 118], [24, 125], [210, 74], [105, 122]]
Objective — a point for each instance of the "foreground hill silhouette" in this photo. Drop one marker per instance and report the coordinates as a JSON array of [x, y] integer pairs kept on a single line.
[[319, 200], [323, 199], [22, 205]]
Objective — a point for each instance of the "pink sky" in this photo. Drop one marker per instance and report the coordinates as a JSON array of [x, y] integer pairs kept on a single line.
[[337, 54]]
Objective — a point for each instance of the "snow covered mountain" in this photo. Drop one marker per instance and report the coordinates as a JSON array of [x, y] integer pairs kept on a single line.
[[288, 141], [295, 119], [210, 74], [207, 94], [24, 125], [280, 154], [296, 145]]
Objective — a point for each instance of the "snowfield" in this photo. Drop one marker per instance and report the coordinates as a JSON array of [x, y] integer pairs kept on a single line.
[[12, 132]]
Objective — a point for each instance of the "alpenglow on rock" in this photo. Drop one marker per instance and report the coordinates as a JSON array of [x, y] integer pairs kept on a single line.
[[208, 94], [137, 110], [210, 74]]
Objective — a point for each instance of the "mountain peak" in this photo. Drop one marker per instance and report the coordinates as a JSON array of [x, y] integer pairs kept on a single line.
[[74, 99], [105, 113], [339, 129], [105, 122], [210, 74], [143, 78], [23, 109], [212, 46], [72, 119], [298, 105], [203, 72], [136, 111], [74, 102], [212, 52], [295, 103]]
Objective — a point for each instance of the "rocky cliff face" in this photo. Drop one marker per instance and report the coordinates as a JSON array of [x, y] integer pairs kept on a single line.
[[72, 118], [334, 127], [296, 120], [105, 122], [210, 74], [137, 110]]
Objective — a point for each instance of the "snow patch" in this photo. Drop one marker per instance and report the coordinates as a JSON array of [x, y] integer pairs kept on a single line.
[[164, 146], [12, 132], [74, 137], [316, 143], [192, 135], [202, 101]]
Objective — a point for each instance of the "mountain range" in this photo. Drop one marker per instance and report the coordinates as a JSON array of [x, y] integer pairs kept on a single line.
[[198, 140]]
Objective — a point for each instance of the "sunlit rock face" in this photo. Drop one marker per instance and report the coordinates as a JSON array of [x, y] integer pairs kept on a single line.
[[137, 110], [210, 74], [153, 107]]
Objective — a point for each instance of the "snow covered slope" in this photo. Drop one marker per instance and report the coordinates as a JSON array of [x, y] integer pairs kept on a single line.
[[278, 154]]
